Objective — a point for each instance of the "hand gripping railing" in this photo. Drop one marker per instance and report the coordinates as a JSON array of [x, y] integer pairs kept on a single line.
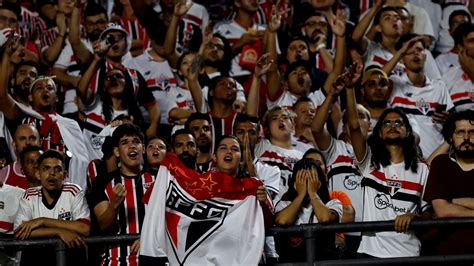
[[309, 232]]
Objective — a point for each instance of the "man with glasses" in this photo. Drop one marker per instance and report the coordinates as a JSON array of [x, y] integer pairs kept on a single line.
[[424, 100], [393, 176], [453, 196]]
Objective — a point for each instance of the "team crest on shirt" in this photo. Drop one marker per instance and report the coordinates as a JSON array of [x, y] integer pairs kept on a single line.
[[423, 106], [64, 215], [393, 185], [200, 218]]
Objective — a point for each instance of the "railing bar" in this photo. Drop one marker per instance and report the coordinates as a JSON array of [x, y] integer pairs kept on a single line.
[[398, 261]]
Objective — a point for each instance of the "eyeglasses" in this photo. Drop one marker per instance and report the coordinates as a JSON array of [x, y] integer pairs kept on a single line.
[[11, 22], [313, 24], [211, 45], [114, 76], [462, 134], [392, 123]]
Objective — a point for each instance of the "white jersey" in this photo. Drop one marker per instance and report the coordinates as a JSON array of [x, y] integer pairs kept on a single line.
[[286, 99], [461, 89], [159, 78], [71, 205], [389, 192], [446, 61], [192, 24], [181, 98], [269, 174], [306, 214], [300, 145], [343, 173], [376, 55], [282, 158], [9, 204], [419, 104], [67, 61]]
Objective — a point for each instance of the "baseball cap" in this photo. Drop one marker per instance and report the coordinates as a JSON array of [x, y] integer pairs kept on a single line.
[[371, 71]]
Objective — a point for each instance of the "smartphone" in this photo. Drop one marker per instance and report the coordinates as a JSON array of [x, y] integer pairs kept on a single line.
[[440, 108]]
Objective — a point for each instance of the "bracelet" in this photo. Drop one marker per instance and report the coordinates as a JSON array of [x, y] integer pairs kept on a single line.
[[315, 197], [320, 46]]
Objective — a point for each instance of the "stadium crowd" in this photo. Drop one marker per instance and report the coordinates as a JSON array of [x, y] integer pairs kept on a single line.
[[346, 111]]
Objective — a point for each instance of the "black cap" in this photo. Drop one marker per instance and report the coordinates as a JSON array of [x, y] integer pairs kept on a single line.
[[297, 64]]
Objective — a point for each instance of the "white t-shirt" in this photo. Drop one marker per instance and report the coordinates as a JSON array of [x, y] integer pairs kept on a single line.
[[376, 55], [389, 192], [71, 205], [270, 175], [461, 88], [282, 158], [159, 78], [446, 61], [9, 204], [343, 173], [419, 104]]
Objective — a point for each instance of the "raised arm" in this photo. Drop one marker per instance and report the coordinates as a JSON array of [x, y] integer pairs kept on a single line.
[[180, 9], [387, 68], [7, 104], [358, 139], [194, 86], [50, 55], [338, 27], [320, 132], [358, 35], [81, 53], [273, 75], [83, 91], [263, 65]]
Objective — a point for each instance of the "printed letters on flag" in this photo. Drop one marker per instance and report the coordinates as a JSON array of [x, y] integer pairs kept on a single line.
[[201, 219]]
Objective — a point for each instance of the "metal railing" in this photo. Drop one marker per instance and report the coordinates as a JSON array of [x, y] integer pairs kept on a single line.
[[309, 232]]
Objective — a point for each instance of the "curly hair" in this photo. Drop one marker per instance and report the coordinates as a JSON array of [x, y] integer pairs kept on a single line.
[[380, 154]]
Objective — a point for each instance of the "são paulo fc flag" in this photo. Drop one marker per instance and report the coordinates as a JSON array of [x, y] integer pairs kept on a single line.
[[196, 219]]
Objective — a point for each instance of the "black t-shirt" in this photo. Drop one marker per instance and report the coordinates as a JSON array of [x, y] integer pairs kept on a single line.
[[448, 181]]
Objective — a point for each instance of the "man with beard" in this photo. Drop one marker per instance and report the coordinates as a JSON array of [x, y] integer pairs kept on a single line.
[[183, 144], [424, 100], [453, 196], [199, 124], [388, 162], [24, 74], [56, 132], [78, 52], [116, 197], [315, 29]]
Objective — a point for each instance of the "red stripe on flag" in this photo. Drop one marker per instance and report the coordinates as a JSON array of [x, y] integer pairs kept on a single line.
[[172, 221], [6, 226]]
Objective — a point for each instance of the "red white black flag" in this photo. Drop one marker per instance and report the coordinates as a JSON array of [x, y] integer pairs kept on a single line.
[[200, 219]]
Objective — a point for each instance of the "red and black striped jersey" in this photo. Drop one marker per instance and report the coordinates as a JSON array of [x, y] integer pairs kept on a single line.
[[130, 214]]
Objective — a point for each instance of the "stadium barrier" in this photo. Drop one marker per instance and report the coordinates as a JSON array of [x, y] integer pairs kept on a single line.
[[309, 231]]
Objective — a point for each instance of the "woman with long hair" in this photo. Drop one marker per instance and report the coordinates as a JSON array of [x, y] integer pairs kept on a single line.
[[307, 201]]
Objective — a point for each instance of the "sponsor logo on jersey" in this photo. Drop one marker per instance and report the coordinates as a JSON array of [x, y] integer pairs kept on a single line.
[[382, 201]]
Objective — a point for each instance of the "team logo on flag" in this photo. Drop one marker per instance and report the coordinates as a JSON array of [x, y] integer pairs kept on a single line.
[[189, 222]]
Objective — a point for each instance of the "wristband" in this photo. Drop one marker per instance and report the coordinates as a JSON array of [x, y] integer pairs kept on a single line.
[[320, 46]]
